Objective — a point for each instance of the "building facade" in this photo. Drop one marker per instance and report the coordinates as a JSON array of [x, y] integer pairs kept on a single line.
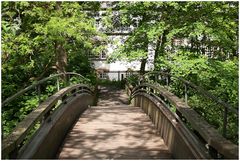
[[117, 70]]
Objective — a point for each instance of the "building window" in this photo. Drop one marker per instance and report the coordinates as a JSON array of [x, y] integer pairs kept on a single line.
[[103, 75], [178, 42], [93, 56], [103, 55], [128, 74]]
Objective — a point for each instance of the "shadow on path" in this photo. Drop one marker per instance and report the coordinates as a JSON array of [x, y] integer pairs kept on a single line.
[[110, 95], [113, 130]]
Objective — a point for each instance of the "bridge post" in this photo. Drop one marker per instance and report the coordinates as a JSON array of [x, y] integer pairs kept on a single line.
[[152, 91], [181, 116], [13, 154], [213, 152], [225, 121], [155, 78], [58, 86], [46, 117], [68, 80], [185, 90], [39, 93], [167, 81], [118, 75]]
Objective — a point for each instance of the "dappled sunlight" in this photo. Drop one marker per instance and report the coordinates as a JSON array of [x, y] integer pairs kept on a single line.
[[113, 132], [109, 96], [113, 136]]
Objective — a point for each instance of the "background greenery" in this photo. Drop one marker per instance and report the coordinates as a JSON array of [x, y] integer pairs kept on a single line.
[[42, 38]]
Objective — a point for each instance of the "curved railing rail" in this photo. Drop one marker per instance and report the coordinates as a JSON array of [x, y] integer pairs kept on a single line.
[[216, 144], [180, 141], [35, 84], [13, 143], [199, 89], [225, 106]]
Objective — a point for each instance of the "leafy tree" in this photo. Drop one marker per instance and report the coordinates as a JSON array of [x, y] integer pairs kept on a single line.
[[193, 40], [41, 38]]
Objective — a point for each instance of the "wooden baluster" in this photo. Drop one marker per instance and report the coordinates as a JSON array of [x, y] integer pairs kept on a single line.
[[185, 90], [58, 85], [213, 152], [68, 80], [14, 153], [167, 82], [39, 94], [152, 91], [225, 122], [155, 78], [47, 117]]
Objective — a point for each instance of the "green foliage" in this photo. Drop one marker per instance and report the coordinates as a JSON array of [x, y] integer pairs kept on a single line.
[[209, 57], [113, 83], [211, 25], [133, 80], [17, 110], [218, 77], [31, 32]]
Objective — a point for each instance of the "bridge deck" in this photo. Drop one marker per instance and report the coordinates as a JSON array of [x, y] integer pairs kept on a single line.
[[113, 132]]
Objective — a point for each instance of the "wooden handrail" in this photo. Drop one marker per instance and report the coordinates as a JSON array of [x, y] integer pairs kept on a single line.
[[199, 89], [207, 132], [191, 147], [9, 99], [11, 142]]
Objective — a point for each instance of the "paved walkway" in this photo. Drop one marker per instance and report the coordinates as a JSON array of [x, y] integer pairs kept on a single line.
[[111, 96], [117, 131]]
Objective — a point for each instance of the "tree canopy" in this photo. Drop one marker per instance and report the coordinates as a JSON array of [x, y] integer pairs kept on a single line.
[[194, 40], [42, 38]]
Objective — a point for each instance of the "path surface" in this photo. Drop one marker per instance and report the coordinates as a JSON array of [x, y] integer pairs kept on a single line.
[[117, 131], [111, 96]]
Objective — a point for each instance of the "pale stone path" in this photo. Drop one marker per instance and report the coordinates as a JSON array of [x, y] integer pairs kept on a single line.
[[113, 130]]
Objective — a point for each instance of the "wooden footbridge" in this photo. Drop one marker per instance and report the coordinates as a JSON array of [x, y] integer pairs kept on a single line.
[[135, 123]]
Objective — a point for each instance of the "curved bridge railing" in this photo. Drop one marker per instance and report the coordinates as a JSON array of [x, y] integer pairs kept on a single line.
[[30, 97], [38, 83], [40, 133], [187, 84], [185, 132]]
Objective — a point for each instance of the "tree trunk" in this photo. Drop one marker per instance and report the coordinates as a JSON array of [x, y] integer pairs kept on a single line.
[[157, 50], [160, 47], [145, 46], [58, 5], [163, 41], [143, 65], [60, 53], [203, 48], [61, 58]]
